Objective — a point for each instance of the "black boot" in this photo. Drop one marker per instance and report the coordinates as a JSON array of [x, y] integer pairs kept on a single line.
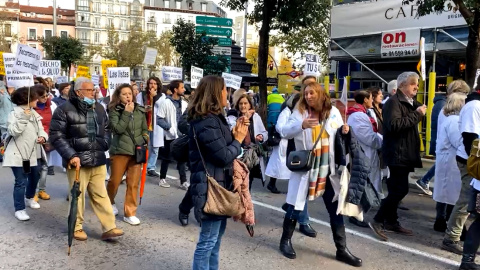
[[468, 262], [343, 254], [51, 170], [286, 242], [440, 225], [308, 230], [183, 218], [272, 186]]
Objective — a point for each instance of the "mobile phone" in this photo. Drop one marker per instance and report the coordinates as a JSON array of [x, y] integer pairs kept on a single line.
[[26, 166]]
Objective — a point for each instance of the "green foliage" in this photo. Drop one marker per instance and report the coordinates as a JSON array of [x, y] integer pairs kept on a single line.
[[196, 50], [465, 7], [68, 50]]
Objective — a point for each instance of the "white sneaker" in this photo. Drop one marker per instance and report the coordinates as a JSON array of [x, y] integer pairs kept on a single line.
[[132, 220], [22, 215], [107, 178], [185, 186], [163, 183], [115, 210], [32, 203]]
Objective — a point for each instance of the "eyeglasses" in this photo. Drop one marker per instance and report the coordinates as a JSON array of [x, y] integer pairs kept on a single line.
[[45, 96], [88, 90]]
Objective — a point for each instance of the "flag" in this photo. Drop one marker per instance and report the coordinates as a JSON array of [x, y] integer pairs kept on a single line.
[[421, 63], [343, 98]]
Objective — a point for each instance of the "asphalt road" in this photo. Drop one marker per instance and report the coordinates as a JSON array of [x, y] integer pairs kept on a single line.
[[161, 243]]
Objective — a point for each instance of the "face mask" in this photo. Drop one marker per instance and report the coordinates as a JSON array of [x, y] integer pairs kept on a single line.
[[89, 101]]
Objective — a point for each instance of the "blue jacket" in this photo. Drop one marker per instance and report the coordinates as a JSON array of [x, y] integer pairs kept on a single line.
[[6, 106], [439, 102]]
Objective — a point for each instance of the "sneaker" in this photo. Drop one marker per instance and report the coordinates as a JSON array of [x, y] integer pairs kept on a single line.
[[107, 178], [132, 220], [22, 215], [377, 228], [153, 173], [115, 210], [397, 228], [51, 170], [80, 235], [452, 246], [64, 170], [123, 179], [113, 233], [424, 187], [32, 203], [43, 195], [185, 186], [163, 183]]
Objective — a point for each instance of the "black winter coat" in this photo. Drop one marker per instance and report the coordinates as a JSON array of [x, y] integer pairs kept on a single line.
[[219, 149], [401, 142], [68, 132]]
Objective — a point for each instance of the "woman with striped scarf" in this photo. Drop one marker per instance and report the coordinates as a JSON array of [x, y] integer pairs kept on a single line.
[[314, 110]]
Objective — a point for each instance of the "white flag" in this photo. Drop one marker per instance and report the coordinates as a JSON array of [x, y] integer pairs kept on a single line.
[[344, 98]]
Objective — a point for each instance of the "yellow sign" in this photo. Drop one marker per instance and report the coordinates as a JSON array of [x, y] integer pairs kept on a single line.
[[2, 65], [107, 64], [83, 71]]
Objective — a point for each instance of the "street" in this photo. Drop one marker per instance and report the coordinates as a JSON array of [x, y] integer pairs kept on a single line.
[[161, 243]]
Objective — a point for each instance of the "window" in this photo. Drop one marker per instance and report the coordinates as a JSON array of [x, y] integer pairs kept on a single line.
[[178, 5], [83, 3], [166, 3], [96, 38], [64, 34], [97, 21], [83, 35], [152, 27], [190, 5], [204, 7], [32, 34], [123, 37], [135, 72], [8, 30], [123, 10], [48, 33], [123, 24], [109, 22], [167, 18], [33, 45], [96, 7], [110, 8]]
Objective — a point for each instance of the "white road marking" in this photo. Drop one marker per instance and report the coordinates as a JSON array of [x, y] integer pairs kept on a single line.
[[368, 237]]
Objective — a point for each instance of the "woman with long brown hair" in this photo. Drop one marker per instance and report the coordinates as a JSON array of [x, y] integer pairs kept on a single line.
[[129, 128], [377, 96], [315, 117], [212, 141]]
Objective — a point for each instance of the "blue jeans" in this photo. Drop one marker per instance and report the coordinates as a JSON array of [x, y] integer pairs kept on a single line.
[[206, 255], [303, 218], [152, 154], [25, 185], [429, 175]]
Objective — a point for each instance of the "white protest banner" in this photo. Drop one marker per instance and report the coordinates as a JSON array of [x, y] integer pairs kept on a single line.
[[400, 43], [96, 79], [50, 68], [150, 56], [20, 80], [62, 79], [117, 76], [9, 61], [171, 73], [196, 75], [232, 81], [312, 65], [27, 60]]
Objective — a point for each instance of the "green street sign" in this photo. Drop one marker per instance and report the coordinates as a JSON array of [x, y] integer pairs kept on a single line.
[[215, 58], [224, 42], [214, 21], [214, 31]]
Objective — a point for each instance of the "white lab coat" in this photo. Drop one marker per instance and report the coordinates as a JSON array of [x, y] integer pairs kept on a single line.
[[276, 166], [447, 175], [298, 184], [168, 111], [371, 142], [158, 138]]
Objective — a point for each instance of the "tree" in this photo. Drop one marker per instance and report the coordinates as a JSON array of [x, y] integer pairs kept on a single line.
[[68, 50], [281, 15], [196, 50], [128, 53], [6, 35], [470, 10], [167, 55]]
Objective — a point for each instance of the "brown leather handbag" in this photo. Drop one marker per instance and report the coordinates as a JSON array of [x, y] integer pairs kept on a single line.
[[220, 201]]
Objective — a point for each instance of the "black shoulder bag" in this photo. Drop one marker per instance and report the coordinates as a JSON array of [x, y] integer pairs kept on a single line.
[[140, 152]]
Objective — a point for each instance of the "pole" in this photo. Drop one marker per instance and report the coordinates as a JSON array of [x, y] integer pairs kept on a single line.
[[54, 18], [431, 96], [245, 24]]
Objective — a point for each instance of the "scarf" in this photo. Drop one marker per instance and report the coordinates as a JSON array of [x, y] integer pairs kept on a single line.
[[92, 126], [241, 185], [360, 108], [317, 176]]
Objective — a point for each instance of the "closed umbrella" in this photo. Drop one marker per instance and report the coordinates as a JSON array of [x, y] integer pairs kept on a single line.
[[72, 215], [144, 178]]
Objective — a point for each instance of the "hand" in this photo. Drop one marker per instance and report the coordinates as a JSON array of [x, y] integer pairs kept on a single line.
[[309, 123], [153, 92], [249, 114], [240, 131], [148, 108], [41, 140], [244, 120], [2, 91], [259, 138], [345, 129], [75, 162], [422, 109], [129, 107]]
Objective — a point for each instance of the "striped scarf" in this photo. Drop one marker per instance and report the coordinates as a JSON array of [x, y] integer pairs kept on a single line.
[[92, 126], [317, 176]]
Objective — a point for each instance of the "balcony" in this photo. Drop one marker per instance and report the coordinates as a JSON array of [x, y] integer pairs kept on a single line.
[[84, 40], [83, 8], [167, 21], [135, 13], [152, 20], [83, 24]]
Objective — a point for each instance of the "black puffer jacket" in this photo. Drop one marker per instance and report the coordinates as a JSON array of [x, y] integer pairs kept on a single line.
[[360, 190], [68, 132], [219, 150], [401, 142]]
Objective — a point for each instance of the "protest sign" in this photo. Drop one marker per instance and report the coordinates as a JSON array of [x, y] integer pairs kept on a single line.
[[50, 68], [312, 65], [95, 79], [83, 71], [117, 76], [9, 61], [27, 60], [232, 81], [20, 80], [62, 79], [150, 56], [171, 73], [196, 75], [105, 65], [2, 65]]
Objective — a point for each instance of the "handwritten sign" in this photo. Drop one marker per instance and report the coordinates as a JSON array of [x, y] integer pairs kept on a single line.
[[196, 75], [50, 68], [150, 56], [171, 73], [105, 65], [9, 62], [19, 80], [117, 76], [232, 81], [62, 79], [27, 60], [83, 71]]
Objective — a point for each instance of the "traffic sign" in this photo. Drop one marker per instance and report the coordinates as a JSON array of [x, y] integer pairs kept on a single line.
[[222, 42], [222, 50], [215, 58], [214, 21], [215, 31]]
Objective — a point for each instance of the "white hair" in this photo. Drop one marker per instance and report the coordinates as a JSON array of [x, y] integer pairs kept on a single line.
[[80, 81], [392, 86], [405, 76]]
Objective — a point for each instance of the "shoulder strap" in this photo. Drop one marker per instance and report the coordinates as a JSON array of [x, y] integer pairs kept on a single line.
[[200, 152], [130, 132], [324, 123]]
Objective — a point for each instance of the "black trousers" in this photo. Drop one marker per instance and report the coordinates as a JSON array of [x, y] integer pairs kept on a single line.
[[166, 157], [397, 186], [187, 204]]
